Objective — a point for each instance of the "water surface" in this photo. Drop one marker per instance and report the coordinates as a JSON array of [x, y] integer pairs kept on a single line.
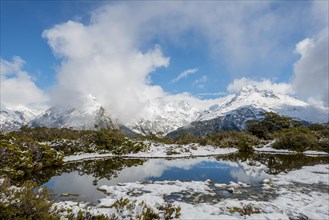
[[84, 177]]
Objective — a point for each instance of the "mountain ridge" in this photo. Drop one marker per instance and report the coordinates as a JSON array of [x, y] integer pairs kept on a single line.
[[168, 114]]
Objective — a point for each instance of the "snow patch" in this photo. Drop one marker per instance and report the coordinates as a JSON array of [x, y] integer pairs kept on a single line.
[[292, 202], [160, 150]]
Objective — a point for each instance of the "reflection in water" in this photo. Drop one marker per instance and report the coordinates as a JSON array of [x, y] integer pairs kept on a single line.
[[276, 163], [84, 177]]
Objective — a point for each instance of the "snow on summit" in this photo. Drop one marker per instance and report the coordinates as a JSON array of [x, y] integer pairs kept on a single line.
[[13, 119], [86, 116], [168, 113], [267, 100]]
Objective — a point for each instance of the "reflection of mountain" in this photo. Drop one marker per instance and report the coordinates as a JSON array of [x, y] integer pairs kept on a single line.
[[83, 177], [273, 163], [99, 169], [117, 170]]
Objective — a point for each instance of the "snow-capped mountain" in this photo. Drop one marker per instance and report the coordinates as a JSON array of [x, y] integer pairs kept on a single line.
[[166, 114], [250, 104], [173, 114], [13, 119], [179, 115], [268, 101], [232, 120], [84, 117]]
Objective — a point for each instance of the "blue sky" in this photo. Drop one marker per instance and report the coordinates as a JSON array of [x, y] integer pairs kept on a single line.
[[22, 23], [220, 41]]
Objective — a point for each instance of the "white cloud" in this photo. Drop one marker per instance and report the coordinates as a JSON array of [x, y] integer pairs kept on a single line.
[[201, 82], [311, 70], [211, 94], [184, 74], [100, 59], [111, 57], [18, 88], [13, 67], [238, 84]]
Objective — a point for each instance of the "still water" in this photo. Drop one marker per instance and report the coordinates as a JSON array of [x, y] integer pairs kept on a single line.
[[80, 180]]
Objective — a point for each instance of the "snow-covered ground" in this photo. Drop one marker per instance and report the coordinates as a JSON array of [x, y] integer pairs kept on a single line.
[[299, 194], [160, 150], [269, 149]]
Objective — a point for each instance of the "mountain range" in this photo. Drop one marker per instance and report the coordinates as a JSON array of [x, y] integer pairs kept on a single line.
[[172, 116]]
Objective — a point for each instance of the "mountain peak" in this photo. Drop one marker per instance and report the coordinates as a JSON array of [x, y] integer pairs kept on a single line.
[[92, 98], [249, 89], [265, 99], [253, 89], [76, 117], [13, 119]]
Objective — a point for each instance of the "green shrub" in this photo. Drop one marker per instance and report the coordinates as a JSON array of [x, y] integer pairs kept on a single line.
[[272, 122], [170, 211], [297, 139], [320, 129], [187, 139], [25, 202], [238, 139], [20, 159], [107, 139], [155, 138]]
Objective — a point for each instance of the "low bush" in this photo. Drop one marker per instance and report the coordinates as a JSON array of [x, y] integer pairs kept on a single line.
[[24, 202], [320, 129], [107, 139], [272, 122], [19, 159], [297, 139], [241, 140]]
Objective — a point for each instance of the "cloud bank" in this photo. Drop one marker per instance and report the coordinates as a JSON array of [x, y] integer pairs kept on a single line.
[[113, 55], [265, 84], [100, 59], [17, 87], [311, 71]]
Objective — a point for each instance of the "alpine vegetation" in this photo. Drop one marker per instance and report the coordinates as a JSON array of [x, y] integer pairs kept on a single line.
[[164, 110]]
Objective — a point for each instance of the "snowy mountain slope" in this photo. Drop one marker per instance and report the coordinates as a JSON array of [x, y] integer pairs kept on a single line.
[[13, 119], [166, 114], [268, 101], [169, 113], [231, 112], [250, 104], [232, 120], [84, 117]]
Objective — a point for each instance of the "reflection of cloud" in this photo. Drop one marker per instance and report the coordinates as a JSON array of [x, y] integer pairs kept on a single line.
[[229, 163], [249, 174], [77, 184], [155, 168], [83, 184]]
